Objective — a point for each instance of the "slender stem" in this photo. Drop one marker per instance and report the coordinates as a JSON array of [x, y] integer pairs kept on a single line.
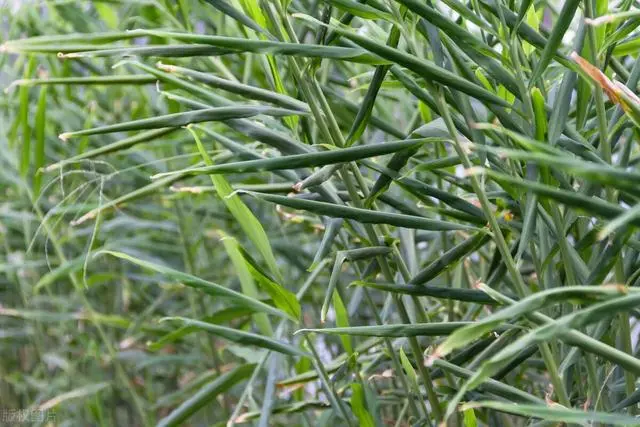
[[556, 380], [120, 372], [592, 376], [332, 132], [324, 379], [605, 150], [501, 243]]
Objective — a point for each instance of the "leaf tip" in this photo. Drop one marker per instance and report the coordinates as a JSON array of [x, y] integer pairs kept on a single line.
[[603, 234], [121, 63], [601, 20], [20, 82], [179, 189], [474, 171], [483, 126], [159, 175], [298, 186], [166, 67], [430, 360], [628, 92], [52, 167], [89, 215]]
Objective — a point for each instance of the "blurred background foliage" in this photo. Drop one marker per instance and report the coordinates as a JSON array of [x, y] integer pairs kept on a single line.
[[463, 188]]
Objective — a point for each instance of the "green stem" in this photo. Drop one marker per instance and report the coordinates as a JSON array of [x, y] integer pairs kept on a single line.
[[501, 243], [120, 372], [324, 379]]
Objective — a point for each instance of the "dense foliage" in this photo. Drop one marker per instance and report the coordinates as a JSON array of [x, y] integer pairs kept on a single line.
[[300, 212]]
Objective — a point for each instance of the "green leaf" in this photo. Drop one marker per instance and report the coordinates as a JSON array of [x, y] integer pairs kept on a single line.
[[549, 331], [39, 152], [361, 10], [449, 259], [469, 418], [219, 317], [359, 406], [23, 120], [537, 301], [456, 294], [243, 215], [184, 119], [247, 91], [108, 14], [540, 114], [86, 81], [425, 68], [342, 320], [284, 299], [293, 408], [241, 337], [113, 147], [399, 330], [205, 395], [331, 157], [246, 280], [555, 413], [341, 257], [365, 216], [78, 393], [198, 283], [560, 27], [411, 373]]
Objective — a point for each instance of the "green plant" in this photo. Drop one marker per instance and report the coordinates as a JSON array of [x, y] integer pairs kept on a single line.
[[350, 212]]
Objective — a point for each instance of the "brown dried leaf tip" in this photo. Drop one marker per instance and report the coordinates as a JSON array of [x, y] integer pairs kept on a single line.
[[598, 76], [616, 91]]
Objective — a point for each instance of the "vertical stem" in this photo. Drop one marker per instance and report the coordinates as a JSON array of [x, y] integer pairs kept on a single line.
[[413, 342], [500, 241], [324, 379], [605, 150], [120, 372], [556, 380]]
